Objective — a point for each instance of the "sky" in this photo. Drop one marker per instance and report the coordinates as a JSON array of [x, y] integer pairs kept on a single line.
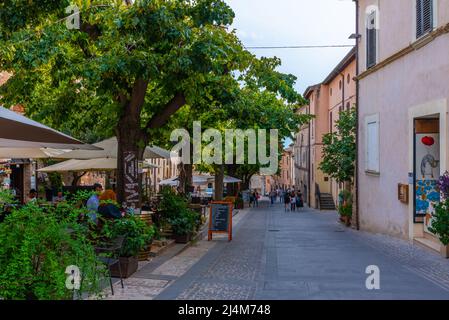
[[293, 23]]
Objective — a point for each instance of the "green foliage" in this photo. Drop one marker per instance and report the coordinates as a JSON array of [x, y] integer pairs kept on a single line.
[[6, 197], [339, 148], [37, 247], [184, 223], [170, 46], [137, 233], [345, 196], [173, 209], [345, 210], [171, 204], [440, 222]]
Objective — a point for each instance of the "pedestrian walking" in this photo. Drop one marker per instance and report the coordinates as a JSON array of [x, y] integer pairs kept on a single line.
[[299, 201], [287, 201], [251, 199], [293, 201], [256, 199], [272, 197]]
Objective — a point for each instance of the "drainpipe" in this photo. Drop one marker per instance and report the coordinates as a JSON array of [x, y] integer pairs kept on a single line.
[[309, 188], [357, 32]]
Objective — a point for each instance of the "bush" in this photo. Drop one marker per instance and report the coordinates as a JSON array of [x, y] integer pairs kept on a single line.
[[174, 210], [440, 222], [184, 223], [37, 247], [137, 233], [345, 210]]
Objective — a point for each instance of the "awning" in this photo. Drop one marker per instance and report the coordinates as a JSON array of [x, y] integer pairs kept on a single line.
[[17, 131]]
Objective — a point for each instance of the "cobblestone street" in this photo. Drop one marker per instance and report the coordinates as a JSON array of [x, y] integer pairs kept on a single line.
[[292, 255]]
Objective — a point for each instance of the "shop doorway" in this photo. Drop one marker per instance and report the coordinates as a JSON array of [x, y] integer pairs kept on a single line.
[[16, 185], [426, 169]]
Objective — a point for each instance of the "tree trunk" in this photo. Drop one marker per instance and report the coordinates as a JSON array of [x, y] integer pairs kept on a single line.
[[77, 178], [233, 188], [185, 178], [185, 175], [219, 177], [129, 179]]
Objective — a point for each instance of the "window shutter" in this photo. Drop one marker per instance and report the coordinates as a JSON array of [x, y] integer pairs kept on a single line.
[[371, 41], [424, 17], [373, 146]]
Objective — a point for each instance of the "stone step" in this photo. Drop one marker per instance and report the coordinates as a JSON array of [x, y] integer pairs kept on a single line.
[[428, 244]]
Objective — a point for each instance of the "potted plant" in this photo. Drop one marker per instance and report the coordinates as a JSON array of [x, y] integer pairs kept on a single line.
[[183, 225], [345, 211], [440, 222], [345, 206], [138, 235], [439, 225], [174, 210]]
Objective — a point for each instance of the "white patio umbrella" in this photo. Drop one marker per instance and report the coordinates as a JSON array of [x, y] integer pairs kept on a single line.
[[229, 179], [101, 164], [196, 179], [17, 131], [109, 150], [34, 153]]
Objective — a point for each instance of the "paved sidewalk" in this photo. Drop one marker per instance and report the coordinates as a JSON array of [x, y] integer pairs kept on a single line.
[[308, 255], [158, 274]]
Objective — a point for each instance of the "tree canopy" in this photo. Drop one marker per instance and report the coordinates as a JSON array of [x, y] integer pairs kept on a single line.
[[131, 66]]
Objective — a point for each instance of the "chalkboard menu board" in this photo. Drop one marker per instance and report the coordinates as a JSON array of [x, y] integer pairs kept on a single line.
[[220, 219]]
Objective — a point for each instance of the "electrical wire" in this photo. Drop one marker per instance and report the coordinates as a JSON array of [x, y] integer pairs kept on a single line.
[[302, 47]]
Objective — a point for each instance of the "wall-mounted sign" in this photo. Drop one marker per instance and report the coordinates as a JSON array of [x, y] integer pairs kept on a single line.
[[403, 193], [220, 219]]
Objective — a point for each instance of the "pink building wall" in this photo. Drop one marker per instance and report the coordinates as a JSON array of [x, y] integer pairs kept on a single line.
[[415, 83]]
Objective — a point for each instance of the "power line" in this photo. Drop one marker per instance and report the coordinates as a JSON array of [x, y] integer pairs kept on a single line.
[[303, 47]]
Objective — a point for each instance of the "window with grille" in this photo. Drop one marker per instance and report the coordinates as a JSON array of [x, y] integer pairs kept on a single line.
[[424, 17], [371, 40]]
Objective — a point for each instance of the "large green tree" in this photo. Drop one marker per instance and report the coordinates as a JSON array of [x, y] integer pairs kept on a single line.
[[125, 71]]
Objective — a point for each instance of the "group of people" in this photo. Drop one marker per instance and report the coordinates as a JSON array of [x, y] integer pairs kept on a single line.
[[292, 200], [254, 199], [103, 203]]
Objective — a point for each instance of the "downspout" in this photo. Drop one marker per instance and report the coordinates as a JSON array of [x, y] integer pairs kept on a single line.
[[357, 114], [309, 191]]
